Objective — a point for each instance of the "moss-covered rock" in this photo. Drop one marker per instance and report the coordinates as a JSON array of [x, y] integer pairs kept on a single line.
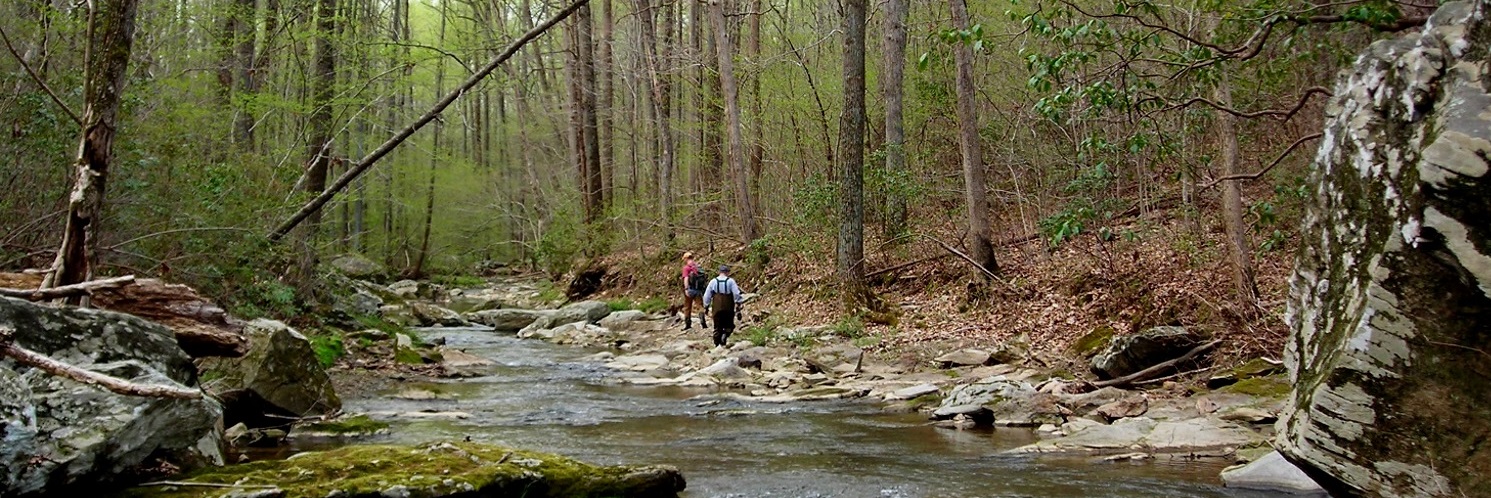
[[1266, 387], [428, 471], [1094, 341], [360, 425]]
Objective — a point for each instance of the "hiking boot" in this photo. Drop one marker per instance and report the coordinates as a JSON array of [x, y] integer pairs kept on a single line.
[[688, 323], [702, 321]]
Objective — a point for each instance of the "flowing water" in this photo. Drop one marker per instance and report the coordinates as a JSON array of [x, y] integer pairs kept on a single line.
[[546, 397]]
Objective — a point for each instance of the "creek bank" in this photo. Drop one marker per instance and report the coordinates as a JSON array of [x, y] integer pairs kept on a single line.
[[429, 470], [964, 388]]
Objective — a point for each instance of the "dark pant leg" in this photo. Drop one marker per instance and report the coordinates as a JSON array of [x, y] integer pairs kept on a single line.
[[724, 325]]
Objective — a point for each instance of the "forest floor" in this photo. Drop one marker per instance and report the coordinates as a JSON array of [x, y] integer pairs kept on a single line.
[[1161, 270]]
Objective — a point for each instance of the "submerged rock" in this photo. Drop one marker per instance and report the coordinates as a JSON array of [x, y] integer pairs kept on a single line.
[[430, 471], [57, 434], [1390, 301]]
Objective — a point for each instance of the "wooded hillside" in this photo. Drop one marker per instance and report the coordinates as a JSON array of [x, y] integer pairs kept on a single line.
[[1107, 163]]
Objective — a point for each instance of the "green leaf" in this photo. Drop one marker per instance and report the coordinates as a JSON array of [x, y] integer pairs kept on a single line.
[[923, 61]]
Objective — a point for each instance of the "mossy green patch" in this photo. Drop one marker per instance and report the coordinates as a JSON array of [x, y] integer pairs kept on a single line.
[[408, 356], [1254, 368], [328, 347], [437, 469], [1089, 344], [1268, 387], [924, 401], [360, 425]]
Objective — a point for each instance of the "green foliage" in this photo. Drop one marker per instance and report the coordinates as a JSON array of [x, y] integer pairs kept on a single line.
[[764, 332], [852, 326], [621, 304], [758, 254], [328, 347], [816, 202], [462, 281], [559, 244], [1066, 224], [653, 304], [548, 292]]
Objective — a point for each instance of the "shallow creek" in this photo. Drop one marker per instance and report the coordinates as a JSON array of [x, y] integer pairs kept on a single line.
[[546, 397]]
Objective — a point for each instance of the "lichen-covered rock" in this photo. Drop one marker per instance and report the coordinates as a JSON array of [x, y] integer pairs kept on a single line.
[[280, 375], [432, 470], [1131, 353], [1390, 301], [58, 434]]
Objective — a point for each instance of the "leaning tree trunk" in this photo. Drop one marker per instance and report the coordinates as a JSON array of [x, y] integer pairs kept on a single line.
[[1390, 302], [973, 160], [113, 34]]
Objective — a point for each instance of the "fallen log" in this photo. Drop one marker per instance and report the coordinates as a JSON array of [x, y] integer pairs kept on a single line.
[[1155, 370], [202, 328]]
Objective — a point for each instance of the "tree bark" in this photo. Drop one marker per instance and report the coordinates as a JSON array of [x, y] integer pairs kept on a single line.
[[318, 149], [112, 38], [585, 29], [659, 99], [606, 73], [749, 229], [1238, 246], [851, 251], [895, 133], [982, 248]]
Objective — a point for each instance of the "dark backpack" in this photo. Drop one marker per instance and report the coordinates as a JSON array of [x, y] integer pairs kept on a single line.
[[698, 280]]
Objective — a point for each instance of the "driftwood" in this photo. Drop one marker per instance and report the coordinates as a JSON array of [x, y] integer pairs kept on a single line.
[[1155, 370], [202, 328], [77, 289], [40, 361]]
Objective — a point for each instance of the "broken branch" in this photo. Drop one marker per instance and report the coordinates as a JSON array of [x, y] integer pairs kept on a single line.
[[77, 289], [117, 385], [1161, 367]]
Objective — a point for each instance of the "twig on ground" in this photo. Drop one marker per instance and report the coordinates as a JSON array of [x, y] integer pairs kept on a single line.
[[1162, 366]]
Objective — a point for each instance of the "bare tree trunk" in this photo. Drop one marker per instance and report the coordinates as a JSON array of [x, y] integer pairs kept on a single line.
[[1232, 206], [590, 127], [112, 37], [851, 251], [758, 141], [659, 116], [318, 150], [736, 153], [424, 240], [895, 133], [606, 132], [982, 249]]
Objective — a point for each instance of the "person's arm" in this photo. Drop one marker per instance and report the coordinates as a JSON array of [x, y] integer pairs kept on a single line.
[[708, 294], [739, 294]]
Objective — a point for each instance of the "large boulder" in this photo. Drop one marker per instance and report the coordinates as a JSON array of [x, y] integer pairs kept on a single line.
[[1271, 473], [507, 320], [1131, 353], [583, 311], [430, 315], [279, 377], [1390, 301], [57, 434], [359, 267]]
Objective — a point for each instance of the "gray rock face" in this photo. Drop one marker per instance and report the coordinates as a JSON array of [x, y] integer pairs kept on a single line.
[[1390, 299], [429, 315], [58, 433], [583, 311], [1271, 473], [359, 267], [964, 357], [507, 320], [1131, 353], [280, 375]]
